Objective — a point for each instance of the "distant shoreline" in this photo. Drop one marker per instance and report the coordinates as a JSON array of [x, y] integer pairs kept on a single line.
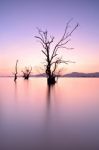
[[46, 77], [69, 75]]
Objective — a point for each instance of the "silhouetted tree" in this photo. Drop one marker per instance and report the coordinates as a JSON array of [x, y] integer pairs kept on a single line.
[[27, 72], [51, 54], [16, 71]]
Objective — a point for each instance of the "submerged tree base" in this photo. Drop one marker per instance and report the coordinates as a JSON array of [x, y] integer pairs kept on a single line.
[[51, 80], [26, 77]]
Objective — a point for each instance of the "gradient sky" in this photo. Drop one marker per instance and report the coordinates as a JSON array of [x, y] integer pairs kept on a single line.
[[18, 22]]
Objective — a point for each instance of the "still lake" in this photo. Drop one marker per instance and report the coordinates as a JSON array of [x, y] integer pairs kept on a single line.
[[34, 116]]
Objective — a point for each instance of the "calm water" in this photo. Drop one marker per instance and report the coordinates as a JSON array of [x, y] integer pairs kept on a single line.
[[36, 117]]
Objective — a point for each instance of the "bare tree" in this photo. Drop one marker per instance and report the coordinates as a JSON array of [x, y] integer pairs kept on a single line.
[[16, 71], [51, 54], [27, 72]]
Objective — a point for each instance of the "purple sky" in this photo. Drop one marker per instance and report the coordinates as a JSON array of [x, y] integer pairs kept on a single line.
[[18, 22]]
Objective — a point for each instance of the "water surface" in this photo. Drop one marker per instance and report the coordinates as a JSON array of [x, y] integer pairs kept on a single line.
[[34, 116]]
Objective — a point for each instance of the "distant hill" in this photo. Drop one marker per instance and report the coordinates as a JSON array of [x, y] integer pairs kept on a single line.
[[79, 74], [73, 74]]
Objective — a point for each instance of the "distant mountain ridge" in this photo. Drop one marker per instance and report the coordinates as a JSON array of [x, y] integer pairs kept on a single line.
[[80, 74], [73, 74]]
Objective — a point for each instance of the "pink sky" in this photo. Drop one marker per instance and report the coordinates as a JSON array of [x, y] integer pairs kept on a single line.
[[19, 20]]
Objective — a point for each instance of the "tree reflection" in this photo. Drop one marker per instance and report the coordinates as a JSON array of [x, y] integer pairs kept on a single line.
[[49, 100], [15, 91]]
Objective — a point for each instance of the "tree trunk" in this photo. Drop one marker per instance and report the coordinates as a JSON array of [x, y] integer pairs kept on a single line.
[[51, 80]]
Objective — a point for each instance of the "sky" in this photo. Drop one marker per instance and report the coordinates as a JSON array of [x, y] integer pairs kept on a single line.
[[20, 18]]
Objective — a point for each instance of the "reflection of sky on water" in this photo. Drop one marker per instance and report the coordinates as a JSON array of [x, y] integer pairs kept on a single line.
[[65, 116]]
